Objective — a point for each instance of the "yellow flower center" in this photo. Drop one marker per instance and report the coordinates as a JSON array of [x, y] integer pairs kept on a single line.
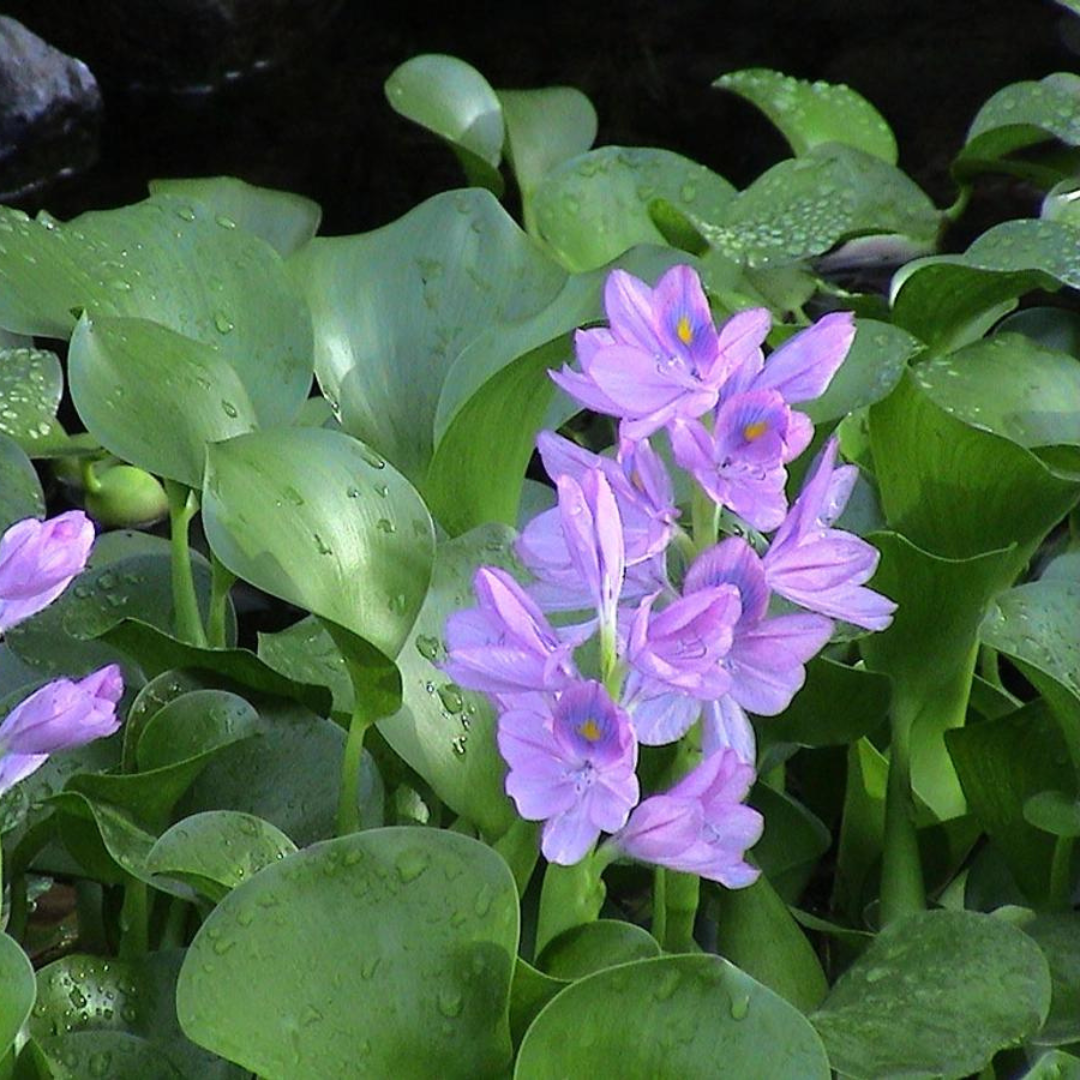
[[755, 430], [590, 730], [684, 330]]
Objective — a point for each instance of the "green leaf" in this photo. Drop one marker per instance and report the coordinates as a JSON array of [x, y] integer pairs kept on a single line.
[[104, 1053], [836, 706], [217, 850], [1010, 386], [873, 366], [394, 1002], [16, 990], [809, 114], [802, 207], [672, 1018], [1054, 812], [31, 385], [1055, 1065], [530, 991], [581, 950], [756, 931], [445, 733], [937, 994], [1019, 116], [165, 259], [314, 517], [592, 208], [1058, 935], [128, 574], [792, 844], [394, 308], [862, 829], [126, 374], [543, 129], [83, 993], [1049, 327], [1035, 626], [284, 220], [106, 840], [306, 653], [452, 99], [192, 724], [20, 489], [1001, 764]]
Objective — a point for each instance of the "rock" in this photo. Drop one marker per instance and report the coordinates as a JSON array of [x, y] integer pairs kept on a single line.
[[50, 112]]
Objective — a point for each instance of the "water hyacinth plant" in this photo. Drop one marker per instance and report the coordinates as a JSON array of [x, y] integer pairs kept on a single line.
[[491, 626]]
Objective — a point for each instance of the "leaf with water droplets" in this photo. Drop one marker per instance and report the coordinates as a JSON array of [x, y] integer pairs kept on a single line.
[[678, 1016], [452, 99], [31, 384], [809, 114], [373, 1002], [16, 990], [20, 489], [936, 994]]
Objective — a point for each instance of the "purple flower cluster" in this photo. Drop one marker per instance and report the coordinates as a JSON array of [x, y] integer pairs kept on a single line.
[[711, 647], [38, 560]]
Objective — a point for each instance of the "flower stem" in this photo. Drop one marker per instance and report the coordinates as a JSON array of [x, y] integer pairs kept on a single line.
[[135, 920], [183, 506], [705, 515], [1061, 874], [348, 812], [902, 889], [221, 582], [682, 894]]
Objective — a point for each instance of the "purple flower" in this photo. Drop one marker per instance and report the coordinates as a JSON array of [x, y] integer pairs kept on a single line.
[[61, 715], [740, 463], [700, 826], [821, 568], [660, 359], [38, 559], [505, 645], [572, 767]]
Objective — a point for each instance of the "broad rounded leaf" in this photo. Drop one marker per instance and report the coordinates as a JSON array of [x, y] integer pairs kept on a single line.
[[399, 1001], [117, 1054], [452, 99], [314, 517], [936, 994], [217, 850], [284, 220], [808, 114], [168, 260], [31, 384], [593, 946], [1058, 935], [672, 1018], [127, 374], [16, 990], [1010, 386], [20, 489], [592, 208]]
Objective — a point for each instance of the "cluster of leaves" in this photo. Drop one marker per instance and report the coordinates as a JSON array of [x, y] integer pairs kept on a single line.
[[221, 927]]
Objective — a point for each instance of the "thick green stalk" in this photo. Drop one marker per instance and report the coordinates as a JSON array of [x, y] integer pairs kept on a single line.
[[902, 888], [221, 582], [348, 813], [135, 920], [1061, 874], [183, 506]]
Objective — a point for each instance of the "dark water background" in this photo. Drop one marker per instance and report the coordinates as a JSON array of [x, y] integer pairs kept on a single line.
[[292, 95]]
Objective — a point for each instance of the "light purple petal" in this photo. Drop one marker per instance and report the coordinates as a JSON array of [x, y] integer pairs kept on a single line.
[[568, 837], [631, 311], [802, 368], [16, 767], [739, 346], [724, 725]]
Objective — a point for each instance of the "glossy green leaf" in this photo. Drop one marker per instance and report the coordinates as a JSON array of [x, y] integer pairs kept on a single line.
[[192, 724], [1046, 246], [1001, 764], [498, 393], [862, 829], [955, 490], [1049, 327], [802, 207], [836, 706], [592, 208], [284, 220], [1035, 625], [581, 950], [445, 733], [165, 259], [1056, 1064], [394, 308], [792, 844], [114, 1054], [452, 99], [306, 653], [530, 991], [809, 114], [16, 990], [1010, 386], [106, 841], [128, 575], [543, 129], [31, 385], [1054, 812], [401, 1003], [126, 374], [1021, 115], [217, 850], [873, 366], [1058, 935], [756, 931], [314, 517], [289, 775], [937, 994], [672, 1018], [105, 994], [20, 489]]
